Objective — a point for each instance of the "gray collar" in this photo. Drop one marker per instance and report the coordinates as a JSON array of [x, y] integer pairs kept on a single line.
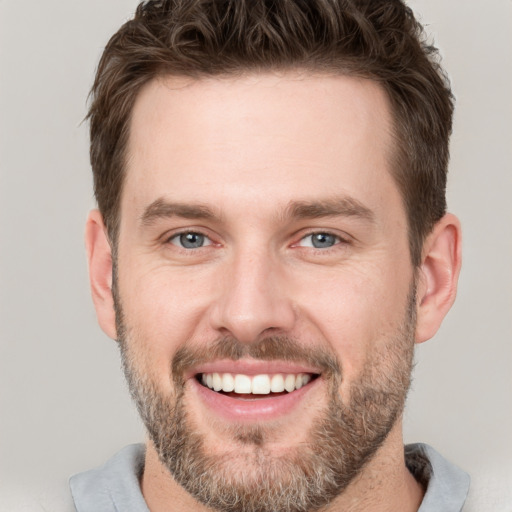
[[446, 485], [113, 487]]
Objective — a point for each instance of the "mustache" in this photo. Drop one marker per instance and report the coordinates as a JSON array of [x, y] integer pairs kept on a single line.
[[283, 348]]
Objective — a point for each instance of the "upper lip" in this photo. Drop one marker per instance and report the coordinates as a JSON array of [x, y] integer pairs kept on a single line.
[[251, 367]]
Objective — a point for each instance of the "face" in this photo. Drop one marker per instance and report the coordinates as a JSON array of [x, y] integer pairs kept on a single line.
[[264, 290]]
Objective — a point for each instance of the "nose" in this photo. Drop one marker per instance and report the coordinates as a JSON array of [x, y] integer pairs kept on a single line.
[[253, 299]]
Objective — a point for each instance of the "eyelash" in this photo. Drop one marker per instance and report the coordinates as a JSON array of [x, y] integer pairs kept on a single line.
[[177, 236], [338, 240]]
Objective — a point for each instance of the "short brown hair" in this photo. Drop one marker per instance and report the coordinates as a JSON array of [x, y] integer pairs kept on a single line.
[[376, 39]]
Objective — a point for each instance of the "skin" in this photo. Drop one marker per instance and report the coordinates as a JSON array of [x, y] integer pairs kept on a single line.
[[247, 149]]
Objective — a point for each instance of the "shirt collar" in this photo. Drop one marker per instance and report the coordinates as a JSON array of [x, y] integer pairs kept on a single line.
[[446, 485]]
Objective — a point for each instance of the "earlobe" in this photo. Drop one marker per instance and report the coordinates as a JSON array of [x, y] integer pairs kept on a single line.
[[99, 257], [438, 276]]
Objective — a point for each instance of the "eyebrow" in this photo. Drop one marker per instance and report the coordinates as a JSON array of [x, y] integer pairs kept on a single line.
[[162, 209], [334, 207]]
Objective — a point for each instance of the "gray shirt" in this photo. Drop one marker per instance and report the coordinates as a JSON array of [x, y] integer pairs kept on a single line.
[[115, 487]]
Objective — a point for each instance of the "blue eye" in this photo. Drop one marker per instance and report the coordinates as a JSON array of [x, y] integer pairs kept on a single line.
[[319, 240], [190, 240]]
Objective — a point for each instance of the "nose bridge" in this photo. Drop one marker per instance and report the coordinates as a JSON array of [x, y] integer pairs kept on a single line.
[[253, 297]]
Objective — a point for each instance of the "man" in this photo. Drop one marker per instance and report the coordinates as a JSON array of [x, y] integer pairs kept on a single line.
[[271, 242]]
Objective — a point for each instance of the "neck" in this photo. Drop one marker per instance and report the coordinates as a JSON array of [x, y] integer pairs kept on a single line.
[[384, 485]]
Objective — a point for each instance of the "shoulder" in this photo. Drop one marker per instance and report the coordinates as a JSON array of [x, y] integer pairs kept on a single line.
[[114, 485], [37, 497], [491, 489]]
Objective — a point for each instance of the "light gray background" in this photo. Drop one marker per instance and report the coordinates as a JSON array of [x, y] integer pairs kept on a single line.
[[63, 404]]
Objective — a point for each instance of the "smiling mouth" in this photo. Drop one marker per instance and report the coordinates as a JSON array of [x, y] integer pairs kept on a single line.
[[255, 386]]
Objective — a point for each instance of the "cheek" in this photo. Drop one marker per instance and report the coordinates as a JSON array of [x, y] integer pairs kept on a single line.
[[162, 312], [356, 314]]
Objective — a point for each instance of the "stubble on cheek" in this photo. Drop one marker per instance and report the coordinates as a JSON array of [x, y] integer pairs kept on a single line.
[[245, 475]]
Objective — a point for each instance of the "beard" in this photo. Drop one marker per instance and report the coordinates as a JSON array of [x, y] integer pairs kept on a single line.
[[342, 439]]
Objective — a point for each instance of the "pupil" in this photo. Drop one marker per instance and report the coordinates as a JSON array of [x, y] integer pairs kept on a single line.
[[192, 240], [321, 240]]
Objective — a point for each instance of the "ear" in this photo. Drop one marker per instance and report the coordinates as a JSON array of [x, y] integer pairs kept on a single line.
[[99, 257], [438, 276]]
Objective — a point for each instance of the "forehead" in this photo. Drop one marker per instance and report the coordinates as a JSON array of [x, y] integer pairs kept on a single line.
[[266, 138]]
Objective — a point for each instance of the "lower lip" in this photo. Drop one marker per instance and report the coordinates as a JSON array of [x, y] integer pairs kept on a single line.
[[250, 410]]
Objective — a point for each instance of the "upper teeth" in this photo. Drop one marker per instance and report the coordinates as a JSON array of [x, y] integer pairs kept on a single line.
[[255, 384]]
